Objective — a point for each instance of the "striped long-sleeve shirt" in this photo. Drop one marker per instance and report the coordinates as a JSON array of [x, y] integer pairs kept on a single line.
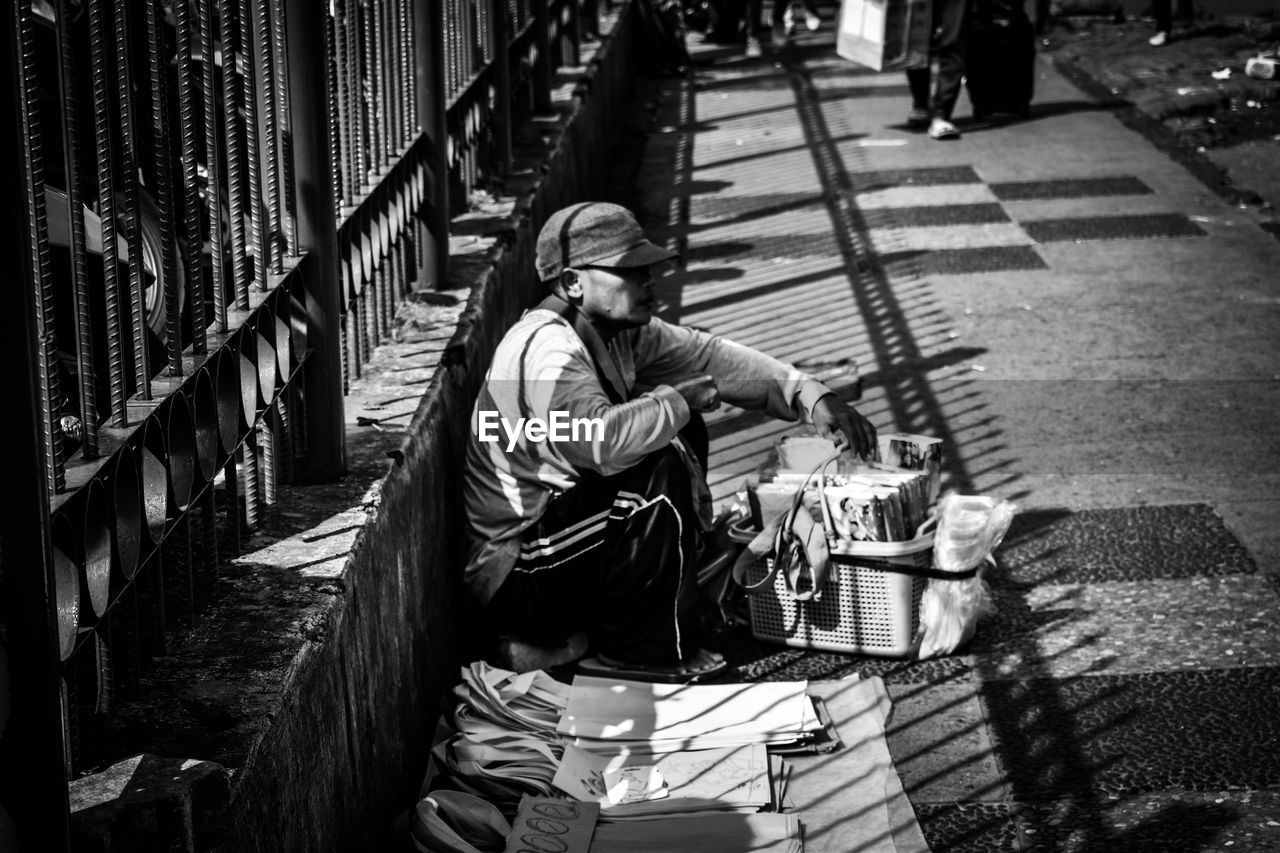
[[543, 372]]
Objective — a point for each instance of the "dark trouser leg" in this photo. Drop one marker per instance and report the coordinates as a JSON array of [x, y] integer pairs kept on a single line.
[[918, 82], [615, 555], [1162, 11], [779, 12], [948, 50], [648, 593]]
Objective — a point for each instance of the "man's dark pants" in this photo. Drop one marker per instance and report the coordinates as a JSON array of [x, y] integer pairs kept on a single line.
[[614, 556], [947, 48]]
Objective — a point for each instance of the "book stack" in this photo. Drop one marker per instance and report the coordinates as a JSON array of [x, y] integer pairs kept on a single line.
[[644, 751], [873, 502], [913, 453], [886, 499]]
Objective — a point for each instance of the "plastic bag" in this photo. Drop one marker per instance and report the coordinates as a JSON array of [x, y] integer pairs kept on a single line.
[[970, 527]]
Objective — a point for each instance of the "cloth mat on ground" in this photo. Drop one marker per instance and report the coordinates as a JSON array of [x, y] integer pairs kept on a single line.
[[852, 799]]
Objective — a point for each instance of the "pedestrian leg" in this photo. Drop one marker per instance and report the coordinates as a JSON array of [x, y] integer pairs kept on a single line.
[[948, 50], [1162, 11], [918, 81]]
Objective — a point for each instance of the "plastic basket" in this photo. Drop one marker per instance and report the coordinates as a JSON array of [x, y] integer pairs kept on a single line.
[[867, 607]]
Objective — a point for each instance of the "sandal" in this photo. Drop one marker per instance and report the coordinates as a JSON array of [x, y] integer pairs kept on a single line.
[[603, 667]]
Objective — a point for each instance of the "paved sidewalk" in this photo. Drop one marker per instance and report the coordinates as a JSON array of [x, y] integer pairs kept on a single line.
[[1096, 336], [1192, 95]]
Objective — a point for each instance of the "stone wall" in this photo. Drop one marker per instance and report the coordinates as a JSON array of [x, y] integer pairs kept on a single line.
[[315, 684]]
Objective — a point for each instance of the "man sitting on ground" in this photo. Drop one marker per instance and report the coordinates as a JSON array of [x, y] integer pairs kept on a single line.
[[586, 518]]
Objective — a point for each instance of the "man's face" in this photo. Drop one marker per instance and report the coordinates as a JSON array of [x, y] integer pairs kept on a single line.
[[617, 297]]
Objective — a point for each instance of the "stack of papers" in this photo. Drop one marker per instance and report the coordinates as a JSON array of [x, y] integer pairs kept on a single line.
[[612, 715], [682, 749], [758, 833], [732, 779]]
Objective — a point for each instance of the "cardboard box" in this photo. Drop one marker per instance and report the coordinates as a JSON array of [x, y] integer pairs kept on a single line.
[[885, 35]]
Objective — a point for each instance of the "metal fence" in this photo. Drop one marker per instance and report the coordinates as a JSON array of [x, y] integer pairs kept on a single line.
[[212, 242]]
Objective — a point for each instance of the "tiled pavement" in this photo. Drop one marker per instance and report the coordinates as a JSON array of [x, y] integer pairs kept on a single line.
[[1095, 336]]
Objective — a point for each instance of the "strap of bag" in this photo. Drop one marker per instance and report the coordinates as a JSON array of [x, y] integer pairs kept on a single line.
[[912, 571], [757, 549], [817, 570], [610, 376], [770, 539]]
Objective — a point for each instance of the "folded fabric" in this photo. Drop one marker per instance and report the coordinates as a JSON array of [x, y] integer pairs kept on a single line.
[[456, 822], [529, 701]]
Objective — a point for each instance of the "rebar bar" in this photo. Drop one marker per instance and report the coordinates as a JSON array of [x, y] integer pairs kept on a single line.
[[192, 233], [38, 246], [123, 641], [285, 404], [386, 64], [267, 456], [342, 93], [409, 91], [280, 54], [204, 539], [233, 134], [345, 334], [368, 92], [262, 55], [179, 598], [231, 503], [212, 165], [152, 624], [339, 168], [389, 289], [251, 496], [71, 716], [252, 140], [369, 313], [132, 224], [355, 89], [164, 189], [355, 337], [85, 362]]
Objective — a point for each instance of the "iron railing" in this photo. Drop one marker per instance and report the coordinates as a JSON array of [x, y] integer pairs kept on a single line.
[[213, 246]]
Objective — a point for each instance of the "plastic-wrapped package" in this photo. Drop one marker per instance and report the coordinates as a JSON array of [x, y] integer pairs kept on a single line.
[[970, 527], [801, 450]]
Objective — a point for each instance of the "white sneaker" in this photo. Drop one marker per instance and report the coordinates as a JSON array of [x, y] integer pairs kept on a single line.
[[1159, 39], [811, 20], [940, 128], [753, 48]]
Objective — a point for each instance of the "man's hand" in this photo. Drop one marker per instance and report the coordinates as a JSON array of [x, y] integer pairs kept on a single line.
[[848, 429], [700, 392]]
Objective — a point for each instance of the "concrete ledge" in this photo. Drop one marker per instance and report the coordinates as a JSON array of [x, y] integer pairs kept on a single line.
[[315, 681], [149, 803]]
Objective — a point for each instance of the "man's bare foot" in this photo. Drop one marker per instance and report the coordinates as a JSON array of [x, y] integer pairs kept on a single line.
[[519, 656]]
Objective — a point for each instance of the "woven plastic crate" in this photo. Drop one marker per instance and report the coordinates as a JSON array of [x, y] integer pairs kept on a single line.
[[866, 607]]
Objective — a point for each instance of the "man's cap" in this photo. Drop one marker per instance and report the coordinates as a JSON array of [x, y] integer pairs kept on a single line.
[[594, 233]]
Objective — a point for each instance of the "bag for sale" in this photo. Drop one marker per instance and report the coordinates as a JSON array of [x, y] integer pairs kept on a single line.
[[969, 529]]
